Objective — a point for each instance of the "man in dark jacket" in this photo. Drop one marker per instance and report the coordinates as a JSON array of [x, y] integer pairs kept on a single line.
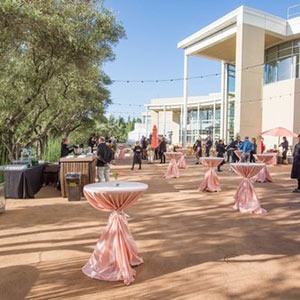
[[162, 150], [66, 149], [296, 165], [105, 156], [285, 147], [208, 145]]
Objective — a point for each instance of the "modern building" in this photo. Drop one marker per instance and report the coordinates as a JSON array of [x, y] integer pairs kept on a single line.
[[263, 51], [203, 117]]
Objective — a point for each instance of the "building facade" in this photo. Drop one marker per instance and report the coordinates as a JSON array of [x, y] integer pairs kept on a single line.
[[264, 52], [203, 117]]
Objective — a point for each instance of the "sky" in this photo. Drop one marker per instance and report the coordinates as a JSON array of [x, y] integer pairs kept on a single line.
[[149, 51]]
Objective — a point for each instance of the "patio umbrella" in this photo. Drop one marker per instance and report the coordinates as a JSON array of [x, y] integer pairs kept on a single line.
[[154, 138], [279, 131]]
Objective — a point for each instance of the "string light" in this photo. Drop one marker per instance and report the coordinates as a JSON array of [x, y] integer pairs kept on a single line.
[[182, 78]]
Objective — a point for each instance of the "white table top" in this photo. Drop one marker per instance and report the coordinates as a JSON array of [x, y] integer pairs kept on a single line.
[[111, 187]]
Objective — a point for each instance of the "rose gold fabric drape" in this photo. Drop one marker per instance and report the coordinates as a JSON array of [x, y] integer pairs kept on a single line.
[[116, 250], [211, 181], [245, 197]]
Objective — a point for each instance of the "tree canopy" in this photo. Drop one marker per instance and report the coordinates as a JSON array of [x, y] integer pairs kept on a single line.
[[51, 58]]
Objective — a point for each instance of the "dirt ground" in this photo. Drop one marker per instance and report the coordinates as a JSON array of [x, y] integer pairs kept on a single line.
[[193, 244]]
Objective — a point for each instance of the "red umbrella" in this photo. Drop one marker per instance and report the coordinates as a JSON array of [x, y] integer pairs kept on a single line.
[[279, 131], [154, 138]]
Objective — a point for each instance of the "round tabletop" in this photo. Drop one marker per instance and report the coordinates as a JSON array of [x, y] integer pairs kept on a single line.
[[171, 155], [115, 187], [247, 164]]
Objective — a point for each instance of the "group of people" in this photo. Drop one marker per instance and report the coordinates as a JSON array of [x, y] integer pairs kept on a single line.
[[143, 150], [248, 148], [106, 148]]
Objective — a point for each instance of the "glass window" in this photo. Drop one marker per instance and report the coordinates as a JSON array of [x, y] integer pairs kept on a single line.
[[281, 62]]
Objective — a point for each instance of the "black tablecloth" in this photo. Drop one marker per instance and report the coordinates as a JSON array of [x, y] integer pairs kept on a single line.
[[23, 183]]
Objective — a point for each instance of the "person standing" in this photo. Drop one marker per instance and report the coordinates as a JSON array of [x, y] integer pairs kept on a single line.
[[198, 149], [66, 149], [92, 143], [162, 149], [150, 153], [262, 145], [285, 147], [295, 174], [254, 151], [137, 155], [230, 148], [246, 147], [105, 156], [220, 148], [208, 145]]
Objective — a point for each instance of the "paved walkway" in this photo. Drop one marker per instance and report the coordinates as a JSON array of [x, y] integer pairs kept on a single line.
[[194, 245]]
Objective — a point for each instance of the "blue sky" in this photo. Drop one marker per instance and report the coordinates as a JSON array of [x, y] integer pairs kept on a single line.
[[153, 29]]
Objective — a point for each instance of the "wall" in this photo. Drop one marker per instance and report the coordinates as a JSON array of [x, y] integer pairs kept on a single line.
[[249, 80], [278, 108]]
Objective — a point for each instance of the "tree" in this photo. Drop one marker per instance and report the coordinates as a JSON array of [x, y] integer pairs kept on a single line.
[[51, 57]]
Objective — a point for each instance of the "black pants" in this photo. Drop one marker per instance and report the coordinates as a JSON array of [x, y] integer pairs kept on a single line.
[[137, 160], [252, 158], [162, 158], [221, 164], [284, 155]]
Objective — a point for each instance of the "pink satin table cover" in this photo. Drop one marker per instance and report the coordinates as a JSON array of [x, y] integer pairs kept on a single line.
[[181, 161], [121, 152], [273, 161], [238, 153], [246, 200], [264, 175], [172, 170], [211, 181], [116, 250]]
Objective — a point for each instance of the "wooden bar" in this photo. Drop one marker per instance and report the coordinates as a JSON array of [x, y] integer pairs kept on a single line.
[[85, 165]]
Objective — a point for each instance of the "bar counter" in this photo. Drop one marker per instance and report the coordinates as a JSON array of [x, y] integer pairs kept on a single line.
[[85, 165]]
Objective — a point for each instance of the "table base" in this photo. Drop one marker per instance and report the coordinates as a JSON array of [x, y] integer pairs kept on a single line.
[[211, 182], [246, 200], [115, 252], [182, 163], [263, 176], [172, 170]]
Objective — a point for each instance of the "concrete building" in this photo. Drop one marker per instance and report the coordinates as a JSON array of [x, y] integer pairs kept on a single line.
[[264, 52], [203, 117]]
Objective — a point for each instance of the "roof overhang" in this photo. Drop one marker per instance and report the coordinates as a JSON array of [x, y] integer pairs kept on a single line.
[[218, 39]]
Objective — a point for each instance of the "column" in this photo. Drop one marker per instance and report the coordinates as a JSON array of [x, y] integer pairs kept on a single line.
[[147, 121], [249, 76], [185, 100], [165, 120], [224, 100], [198, 119], [214, 121]]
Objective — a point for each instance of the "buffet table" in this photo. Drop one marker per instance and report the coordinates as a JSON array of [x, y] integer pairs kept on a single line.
[[86, 165], [116, 250], [210, 182], [245, 197], [25, 183]]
